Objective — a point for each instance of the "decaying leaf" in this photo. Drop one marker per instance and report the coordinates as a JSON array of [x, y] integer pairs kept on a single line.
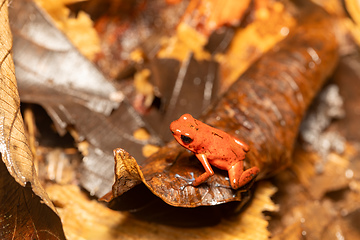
[[269, 102], [25, 209], [264, 107]]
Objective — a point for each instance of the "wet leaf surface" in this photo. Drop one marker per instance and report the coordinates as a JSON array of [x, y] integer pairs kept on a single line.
[[168, 175]]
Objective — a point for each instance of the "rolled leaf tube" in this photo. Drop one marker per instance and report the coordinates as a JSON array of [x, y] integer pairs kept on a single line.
[[267, 103]]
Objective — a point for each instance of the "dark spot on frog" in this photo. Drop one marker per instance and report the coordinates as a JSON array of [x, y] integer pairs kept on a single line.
[[196, 128], [215, 134], [234, 152], [186, 139]]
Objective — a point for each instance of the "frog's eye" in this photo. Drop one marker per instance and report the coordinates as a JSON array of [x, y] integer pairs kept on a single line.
[[186, 139]]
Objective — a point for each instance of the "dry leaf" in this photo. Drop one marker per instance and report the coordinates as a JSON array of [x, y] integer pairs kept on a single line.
[[26, 210], [332, 193], [23, 215], [126, 172]]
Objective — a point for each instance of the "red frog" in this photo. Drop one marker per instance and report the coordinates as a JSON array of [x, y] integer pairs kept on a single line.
[[213, 147]]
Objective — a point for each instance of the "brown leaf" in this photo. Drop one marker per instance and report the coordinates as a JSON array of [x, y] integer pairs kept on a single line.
[[167, 172], [23, 215], [266, 104], [127, 172], [26, 210], [336, 187]]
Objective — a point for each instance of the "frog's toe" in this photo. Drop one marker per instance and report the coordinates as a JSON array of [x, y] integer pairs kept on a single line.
[[248, 176]]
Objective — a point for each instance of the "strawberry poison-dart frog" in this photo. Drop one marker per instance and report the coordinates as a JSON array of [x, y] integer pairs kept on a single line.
[[213, 147]]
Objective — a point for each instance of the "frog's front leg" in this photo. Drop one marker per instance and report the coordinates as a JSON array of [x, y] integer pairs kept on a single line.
[[208, 170], [238, 177]]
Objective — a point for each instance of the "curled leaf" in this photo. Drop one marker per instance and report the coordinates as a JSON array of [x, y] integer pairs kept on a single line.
[[126, 173]]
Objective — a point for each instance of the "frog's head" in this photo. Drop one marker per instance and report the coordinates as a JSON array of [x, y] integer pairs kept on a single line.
[[184, 130]]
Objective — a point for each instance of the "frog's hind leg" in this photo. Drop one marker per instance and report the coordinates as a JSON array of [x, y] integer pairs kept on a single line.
[[238, 177]]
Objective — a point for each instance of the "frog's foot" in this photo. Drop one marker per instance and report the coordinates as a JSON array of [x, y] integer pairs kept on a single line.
[[239, 178], [189, 181]]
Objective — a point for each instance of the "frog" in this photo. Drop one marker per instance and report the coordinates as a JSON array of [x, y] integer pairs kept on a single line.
[[213, 147]]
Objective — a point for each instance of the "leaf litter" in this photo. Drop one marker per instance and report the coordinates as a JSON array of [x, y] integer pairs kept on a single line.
[[298, 227]]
